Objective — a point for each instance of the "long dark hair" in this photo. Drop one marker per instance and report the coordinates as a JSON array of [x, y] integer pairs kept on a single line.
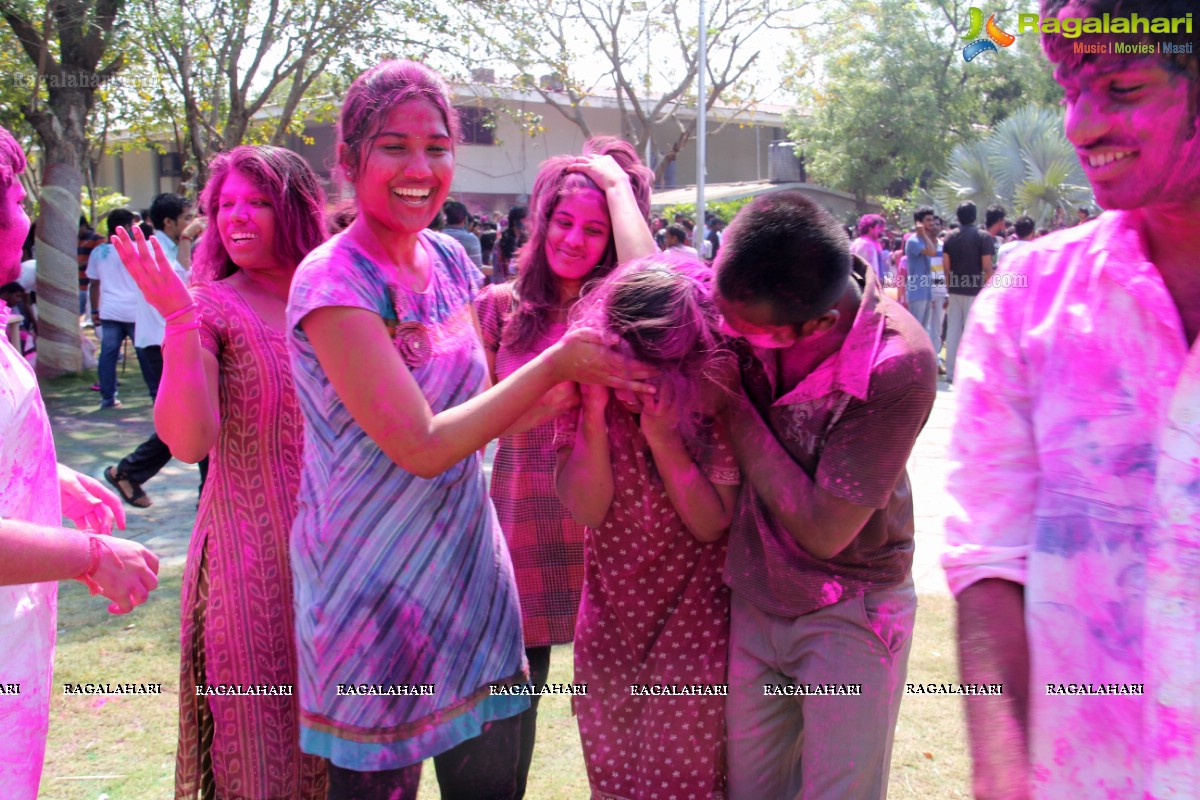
[[510, 239], [537, 286]]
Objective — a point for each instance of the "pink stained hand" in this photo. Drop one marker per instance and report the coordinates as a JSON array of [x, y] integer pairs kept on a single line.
[[588, 356], [661, 415], [151, 270], [87, 503], [603, 170], [126, 574], [595, 398]]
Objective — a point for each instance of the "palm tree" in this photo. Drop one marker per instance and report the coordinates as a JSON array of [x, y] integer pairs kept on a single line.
[[1026, 164]]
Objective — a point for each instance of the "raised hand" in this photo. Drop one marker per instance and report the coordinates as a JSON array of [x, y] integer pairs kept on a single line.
[[603, 170], [661, 414], [595, 399], [151, 270], [554, 403]]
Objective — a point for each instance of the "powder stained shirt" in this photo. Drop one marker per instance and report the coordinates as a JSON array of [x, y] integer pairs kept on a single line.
[[1075, 471], [28, 492], [399, 580], [851, 424]]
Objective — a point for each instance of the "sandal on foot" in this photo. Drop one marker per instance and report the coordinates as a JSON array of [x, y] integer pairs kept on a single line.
[[130, 491]]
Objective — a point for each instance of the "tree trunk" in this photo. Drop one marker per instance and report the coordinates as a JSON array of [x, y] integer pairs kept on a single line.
[[58, 271]]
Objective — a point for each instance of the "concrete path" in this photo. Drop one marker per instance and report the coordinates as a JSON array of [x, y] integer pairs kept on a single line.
[[89, 440]]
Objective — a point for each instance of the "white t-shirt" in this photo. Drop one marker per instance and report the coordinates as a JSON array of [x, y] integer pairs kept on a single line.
[[1009, 248], [118, 292], [938, 274], [149, 325], [28, 279]]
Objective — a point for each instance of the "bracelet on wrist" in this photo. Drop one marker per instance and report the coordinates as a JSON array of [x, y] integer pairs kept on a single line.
[[179, 312], [95, 550]]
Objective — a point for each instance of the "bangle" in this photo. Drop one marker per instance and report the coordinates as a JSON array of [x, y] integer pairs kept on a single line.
[[184, 238], [95, 550], [179, 312]]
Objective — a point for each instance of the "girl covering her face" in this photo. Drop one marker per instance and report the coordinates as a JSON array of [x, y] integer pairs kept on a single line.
[[654, 480]]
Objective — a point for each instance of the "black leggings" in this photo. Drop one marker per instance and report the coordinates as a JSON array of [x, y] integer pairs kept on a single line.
[[483, 768], [539, 671]]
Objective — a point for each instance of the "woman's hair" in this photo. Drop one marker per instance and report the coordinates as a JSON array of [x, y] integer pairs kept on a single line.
[[295, 195], [12, 161], [340, 215], [510, 239], [377, 91], [537, 285], [662, 307]]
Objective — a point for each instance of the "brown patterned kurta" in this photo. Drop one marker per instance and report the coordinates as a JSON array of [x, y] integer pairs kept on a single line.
[[236, 616]]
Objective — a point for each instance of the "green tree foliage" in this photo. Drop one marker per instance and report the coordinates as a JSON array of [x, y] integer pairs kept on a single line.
[[1026, 165], [240, 71], [642, 53], [894, 94], [725, 209], [72, 49]]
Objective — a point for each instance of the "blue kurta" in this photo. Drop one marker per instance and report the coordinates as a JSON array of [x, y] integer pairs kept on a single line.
[[401, 582]]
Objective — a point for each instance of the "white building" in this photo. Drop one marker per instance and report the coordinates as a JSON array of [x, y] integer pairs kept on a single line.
[[496, 165]]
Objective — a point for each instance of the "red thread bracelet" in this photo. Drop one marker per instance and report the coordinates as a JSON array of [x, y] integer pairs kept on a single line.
[[95, 549]]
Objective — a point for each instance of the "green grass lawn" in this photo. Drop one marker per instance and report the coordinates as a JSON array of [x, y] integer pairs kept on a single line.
[[124, 747]]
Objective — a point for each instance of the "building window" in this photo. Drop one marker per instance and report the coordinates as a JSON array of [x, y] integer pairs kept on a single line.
[[478, 125]]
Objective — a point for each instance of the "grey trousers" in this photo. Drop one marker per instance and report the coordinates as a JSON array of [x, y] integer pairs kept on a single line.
[[956, 323], [817, 747]]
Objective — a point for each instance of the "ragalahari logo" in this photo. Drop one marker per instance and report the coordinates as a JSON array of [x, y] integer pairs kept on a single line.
[[994, 34]]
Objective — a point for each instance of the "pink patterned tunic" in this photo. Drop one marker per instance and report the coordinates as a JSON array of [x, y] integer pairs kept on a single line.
[[237, 617], [654, 613], [28, 492]]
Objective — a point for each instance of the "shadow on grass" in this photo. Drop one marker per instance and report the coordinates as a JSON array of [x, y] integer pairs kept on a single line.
[[122, 745]]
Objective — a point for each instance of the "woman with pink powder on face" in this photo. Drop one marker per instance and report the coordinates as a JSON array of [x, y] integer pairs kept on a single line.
[[654, 480], [587, 213], [35, 552], [401, 573], [227, 390]]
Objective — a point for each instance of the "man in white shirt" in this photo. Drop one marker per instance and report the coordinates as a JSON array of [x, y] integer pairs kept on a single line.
[[175, 226], [676, 239], [1025, 227], [114, 296]]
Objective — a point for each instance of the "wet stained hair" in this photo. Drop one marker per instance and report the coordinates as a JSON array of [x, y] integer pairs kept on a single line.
[[662, 307], [12, 164], [295, 195], [375, 92]]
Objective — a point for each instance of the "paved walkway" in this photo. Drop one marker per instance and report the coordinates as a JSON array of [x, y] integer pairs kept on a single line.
[[89, 440]]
